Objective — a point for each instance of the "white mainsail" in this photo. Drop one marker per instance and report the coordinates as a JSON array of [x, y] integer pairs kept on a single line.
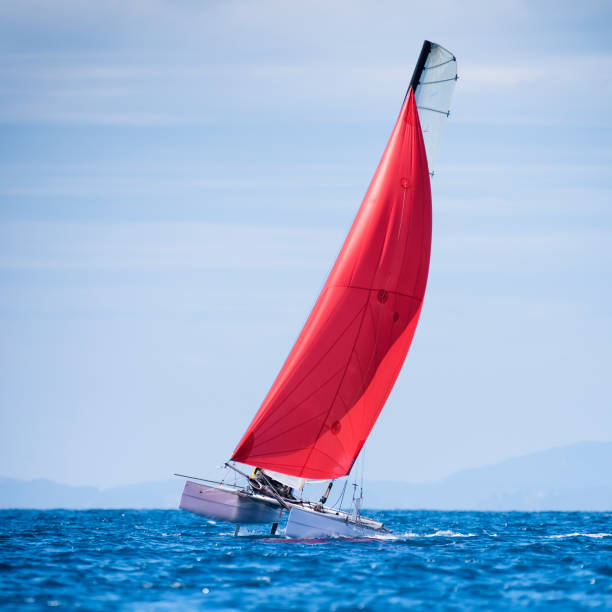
[[433, 91]]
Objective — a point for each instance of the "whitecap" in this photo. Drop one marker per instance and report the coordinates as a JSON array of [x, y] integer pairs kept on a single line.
[[579, 535], [447, 533], [441, 533]]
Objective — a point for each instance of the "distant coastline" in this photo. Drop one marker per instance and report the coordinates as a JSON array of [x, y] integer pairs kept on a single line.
[[575, 477]]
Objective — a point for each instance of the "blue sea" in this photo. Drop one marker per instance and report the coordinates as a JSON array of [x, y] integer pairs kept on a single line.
[[172, 560]]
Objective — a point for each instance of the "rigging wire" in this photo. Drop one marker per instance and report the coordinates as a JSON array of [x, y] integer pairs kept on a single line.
[[340, 497]]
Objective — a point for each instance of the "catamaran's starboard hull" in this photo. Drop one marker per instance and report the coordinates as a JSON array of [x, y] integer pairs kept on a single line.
[[307, 523], [227, 505]]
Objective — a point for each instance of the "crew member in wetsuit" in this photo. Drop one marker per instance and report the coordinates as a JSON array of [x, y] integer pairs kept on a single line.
[[262, 483]]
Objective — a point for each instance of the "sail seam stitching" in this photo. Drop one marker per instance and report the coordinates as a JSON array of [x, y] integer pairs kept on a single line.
[[407, 295], [339, 386], [290, 393], [315, 416], [297, 406]]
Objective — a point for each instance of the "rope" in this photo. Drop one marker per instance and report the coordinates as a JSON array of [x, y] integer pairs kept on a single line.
[[218, 482], [278, 498]]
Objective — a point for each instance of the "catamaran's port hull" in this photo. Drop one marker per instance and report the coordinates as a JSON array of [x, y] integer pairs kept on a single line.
[[223, 504], [308, 523]]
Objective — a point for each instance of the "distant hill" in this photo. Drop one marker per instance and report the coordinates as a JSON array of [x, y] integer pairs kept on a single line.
[[576, 477], [44, 494]]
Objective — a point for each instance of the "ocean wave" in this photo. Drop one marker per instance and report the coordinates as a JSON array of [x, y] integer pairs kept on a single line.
[[579, 535], [441, 533], [177, 560], [447, 533]]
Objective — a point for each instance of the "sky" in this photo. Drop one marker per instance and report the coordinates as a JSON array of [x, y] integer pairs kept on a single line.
[[176, 179]]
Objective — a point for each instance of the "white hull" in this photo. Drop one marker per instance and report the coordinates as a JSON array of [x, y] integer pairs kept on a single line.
[[309, 523], [229, 505], [223, 503]]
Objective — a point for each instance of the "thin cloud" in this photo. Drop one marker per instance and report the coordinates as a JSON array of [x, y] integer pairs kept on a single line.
[[163, 246]]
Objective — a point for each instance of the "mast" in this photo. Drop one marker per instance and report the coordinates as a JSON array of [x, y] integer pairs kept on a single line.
[[418, 69]]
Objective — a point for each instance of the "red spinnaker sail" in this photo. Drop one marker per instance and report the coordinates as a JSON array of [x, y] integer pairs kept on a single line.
[[331, 389]]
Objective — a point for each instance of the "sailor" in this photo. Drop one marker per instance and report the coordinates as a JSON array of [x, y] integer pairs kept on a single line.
[[321, 503], [262, 483]]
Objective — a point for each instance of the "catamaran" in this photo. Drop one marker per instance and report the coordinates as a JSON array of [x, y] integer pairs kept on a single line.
[[320, 410]]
